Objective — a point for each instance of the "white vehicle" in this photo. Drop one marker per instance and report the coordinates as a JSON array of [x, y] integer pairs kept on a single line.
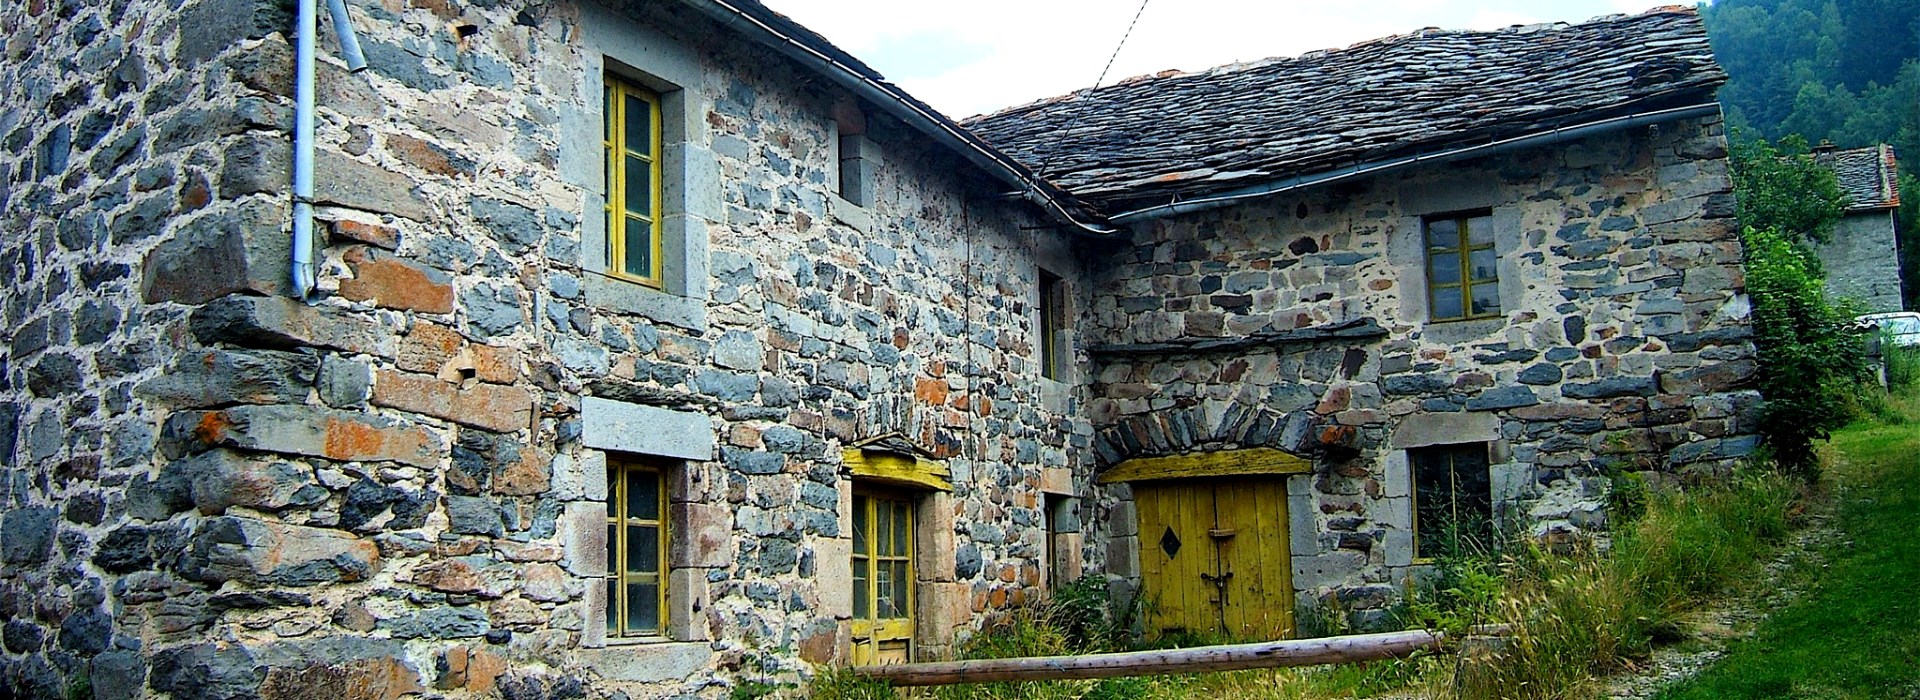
[[1902, 327]]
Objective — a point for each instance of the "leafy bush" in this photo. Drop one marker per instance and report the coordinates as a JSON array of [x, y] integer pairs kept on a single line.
[[1902, 365], [1782, 189], [1811, 357]]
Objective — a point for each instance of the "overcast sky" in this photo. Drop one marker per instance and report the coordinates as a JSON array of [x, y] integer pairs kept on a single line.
[[978, 56]]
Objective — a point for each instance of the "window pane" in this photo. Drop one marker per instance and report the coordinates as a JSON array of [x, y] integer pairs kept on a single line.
[[883, 587], [639, 187], [900, 582], [859, 524], [882, 527], [643, 607], [613, 605], [1444, 233], [862, 587], [902, 528], [639, 125], [613, 547], [1483, 264], [643, 549], [643, 494], [1486, 298], [1443, 268], [1452, 488], [1480, 230], [639, 243], [1446, 302]]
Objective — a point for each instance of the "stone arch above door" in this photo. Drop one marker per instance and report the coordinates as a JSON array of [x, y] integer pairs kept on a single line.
[[1187, 429]]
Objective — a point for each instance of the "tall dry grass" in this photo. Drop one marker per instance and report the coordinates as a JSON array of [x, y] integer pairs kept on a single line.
[[1575, 617]]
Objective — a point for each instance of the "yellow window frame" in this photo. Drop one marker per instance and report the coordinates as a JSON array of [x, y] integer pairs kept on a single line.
[[1053, 319], [1462, 250], [618, 152], [620, 575], [888, 543]]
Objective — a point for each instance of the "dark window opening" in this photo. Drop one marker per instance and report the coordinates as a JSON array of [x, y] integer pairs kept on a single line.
[[1452, 500]]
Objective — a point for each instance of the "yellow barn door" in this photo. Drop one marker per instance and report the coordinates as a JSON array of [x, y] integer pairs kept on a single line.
[[1213, 557]]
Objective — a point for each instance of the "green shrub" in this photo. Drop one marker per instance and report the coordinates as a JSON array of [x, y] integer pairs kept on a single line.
[[1812, 360], [1811, 357], [1902, 366]]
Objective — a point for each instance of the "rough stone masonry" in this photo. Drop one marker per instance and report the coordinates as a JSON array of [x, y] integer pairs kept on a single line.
[[399, 488]]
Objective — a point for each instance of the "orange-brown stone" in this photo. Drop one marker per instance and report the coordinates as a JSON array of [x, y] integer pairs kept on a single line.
[[391, 283]]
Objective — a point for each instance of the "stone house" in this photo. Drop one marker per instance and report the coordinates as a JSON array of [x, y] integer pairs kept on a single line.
[[1462, 273], [1863, 259], [653, 347]]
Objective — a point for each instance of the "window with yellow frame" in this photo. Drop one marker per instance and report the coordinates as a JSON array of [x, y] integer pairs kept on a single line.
[[1463, 269], [632, 148], [637, 544], [883, 531]]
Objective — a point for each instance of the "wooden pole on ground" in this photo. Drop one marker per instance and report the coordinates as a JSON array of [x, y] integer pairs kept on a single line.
[[1229, 657]]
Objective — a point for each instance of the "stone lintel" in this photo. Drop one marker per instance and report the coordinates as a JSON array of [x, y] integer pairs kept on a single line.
[[645, 430], [1425, 429]]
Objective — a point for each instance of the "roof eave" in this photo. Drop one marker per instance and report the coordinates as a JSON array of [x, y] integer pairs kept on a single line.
[[1456, 152], [789, 39]]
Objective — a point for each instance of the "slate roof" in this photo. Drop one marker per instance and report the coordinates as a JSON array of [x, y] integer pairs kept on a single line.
[[1174, 135], [1868, 176]]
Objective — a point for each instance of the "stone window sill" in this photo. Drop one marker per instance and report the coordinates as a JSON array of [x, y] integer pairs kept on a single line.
[[1448, 332], [613, 642], [622, 296], [854, 215]]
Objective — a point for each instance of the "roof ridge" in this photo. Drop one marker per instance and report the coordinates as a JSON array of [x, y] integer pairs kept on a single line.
[[1317, 54]]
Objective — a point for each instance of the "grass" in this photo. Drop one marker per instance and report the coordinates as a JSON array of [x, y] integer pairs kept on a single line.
[[1577, 617], [1855, 631]]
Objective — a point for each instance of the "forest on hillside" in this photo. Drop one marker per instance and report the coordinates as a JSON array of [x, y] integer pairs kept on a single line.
[[1845, 71]]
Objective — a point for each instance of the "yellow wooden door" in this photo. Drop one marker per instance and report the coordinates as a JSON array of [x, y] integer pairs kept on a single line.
[[1213, 557], [882, 579]]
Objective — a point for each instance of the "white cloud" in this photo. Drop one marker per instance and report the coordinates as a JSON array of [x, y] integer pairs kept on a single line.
[[990, 54]]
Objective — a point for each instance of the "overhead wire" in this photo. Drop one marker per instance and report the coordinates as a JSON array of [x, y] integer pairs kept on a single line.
[[1122, 44]]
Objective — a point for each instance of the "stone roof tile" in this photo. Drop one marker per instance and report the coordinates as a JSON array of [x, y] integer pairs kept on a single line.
[[1173, 135], [1868, 176]]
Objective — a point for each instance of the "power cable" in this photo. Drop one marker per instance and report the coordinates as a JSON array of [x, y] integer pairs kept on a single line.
[[1123, 43]]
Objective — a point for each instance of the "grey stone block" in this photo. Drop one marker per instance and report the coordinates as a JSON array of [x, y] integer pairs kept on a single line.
[[277, 322], [26, 534], [222, 377], [646, 430], [259, 553], [240, 249]]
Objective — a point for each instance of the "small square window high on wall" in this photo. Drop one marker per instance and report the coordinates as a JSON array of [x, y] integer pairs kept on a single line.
[[855, 156], [1452, 500], [1463, 269]]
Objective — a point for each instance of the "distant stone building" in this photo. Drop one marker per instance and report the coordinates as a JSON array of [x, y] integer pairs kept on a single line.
[[1863, 259], [655, 347]]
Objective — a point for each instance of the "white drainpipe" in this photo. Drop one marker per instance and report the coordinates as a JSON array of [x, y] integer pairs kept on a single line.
[[306, 25]]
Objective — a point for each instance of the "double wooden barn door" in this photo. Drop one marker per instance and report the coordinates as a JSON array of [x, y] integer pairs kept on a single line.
[[1213, 557]]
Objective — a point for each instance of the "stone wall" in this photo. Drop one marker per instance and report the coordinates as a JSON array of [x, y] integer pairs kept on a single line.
[[1861, 261], [215, 490], [1299, 321]]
